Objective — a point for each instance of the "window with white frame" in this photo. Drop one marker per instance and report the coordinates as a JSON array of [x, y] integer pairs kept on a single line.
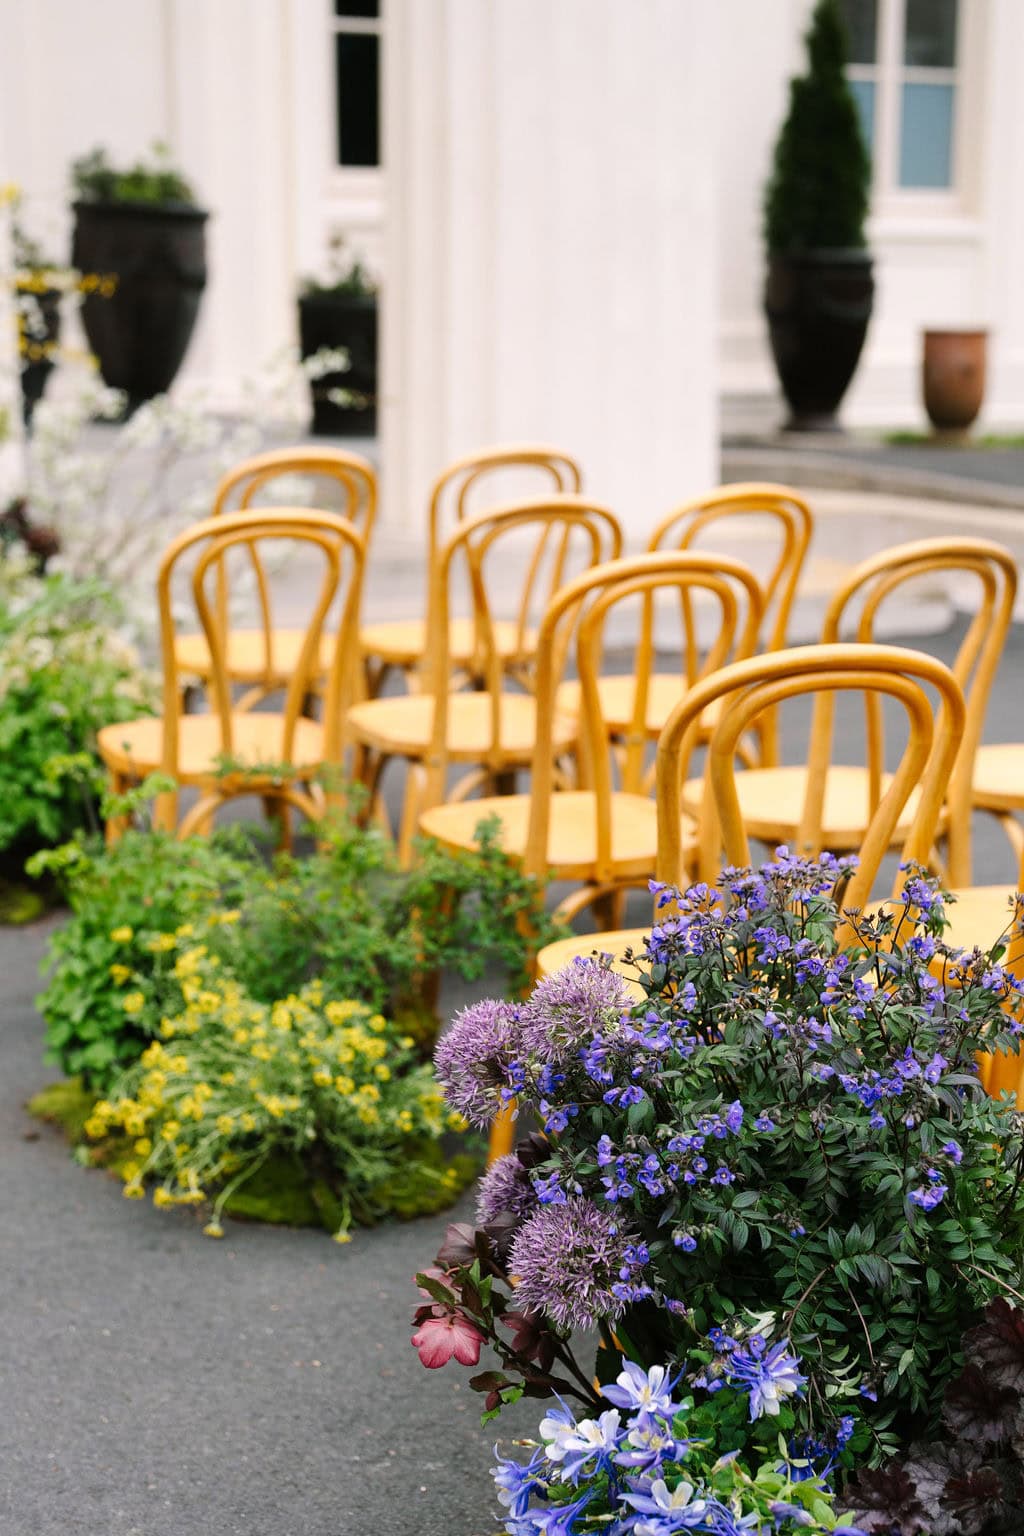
[[356, 25], [905, 74]]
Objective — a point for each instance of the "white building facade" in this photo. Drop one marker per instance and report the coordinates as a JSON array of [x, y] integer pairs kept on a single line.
[[561, 198]]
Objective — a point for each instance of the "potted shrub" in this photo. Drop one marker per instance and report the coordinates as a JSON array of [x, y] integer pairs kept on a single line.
[[819, 288], [141, 227], [340, 315]]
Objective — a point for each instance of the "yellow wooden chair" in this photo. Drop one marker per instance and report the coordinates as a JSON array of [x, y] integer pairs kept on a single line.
[[772, 796], [601, 839], [275, 755], [733, 508], [493, 729], [476, 483], [819, 669], [262, 659]]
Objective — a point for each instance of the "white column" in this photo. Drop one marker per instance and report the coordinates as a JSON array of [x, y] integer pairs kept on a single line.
[[551, 243]]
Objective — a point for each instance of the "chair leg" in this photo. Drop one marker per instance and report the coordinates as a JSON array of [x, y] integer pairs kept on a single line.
[[412, 805], [116, 826], [503, 1135], [277, 809], [610, 908]]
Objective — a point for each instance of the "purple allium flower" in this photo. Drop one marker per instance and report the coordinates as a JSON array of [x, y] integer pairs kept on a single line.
[[568, 1260], [473, 1057], [504, 1187], [567, 1010]]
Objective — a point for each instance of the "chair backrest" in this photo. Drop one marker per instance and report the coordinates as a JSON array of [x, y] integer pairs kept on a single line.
[[855, 606], [763, 682], [749, 500], [547, 539], [478, 482], [580, 612], [353, 484], [205, 548]]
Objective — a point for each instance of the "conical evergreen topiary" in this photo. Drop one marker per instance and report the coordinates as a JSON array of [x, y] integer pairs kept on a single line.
[[817, 196]]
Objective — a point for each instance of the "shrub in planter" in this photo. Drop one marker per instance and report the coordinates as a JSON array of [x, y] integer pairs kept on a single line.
[[63, 674], [345, 915], [787, 1140], [819, 288], [142, 228], [339, 315]]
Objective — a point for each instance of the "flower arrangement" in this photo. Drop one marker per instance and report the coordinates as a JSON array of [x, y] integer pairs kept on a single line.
[[233, 1082], [345, 915], [787, 1138], [64, 673], [651, 1465]]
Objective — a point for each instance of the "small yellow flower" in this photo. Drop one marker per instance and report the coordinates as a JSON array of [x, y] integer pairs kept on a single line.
[[133, 1191], [344, 1085], [168, 1028], [119, 974], [133, 1002], [230, 917], [170, 1129], [382, 1073], [227, 1077], [247, 1121], [241, 1037], [342, 1237], [143, 1146], [95, 1127], [274, 1106], [261, 1052], [161, 942], [184, 931], [122, 935], [378, 1024], [130, 1172], [178, 1064], [162, 1197], [322, 1077], [407, 1042], [225, 1124], [213, 1229]]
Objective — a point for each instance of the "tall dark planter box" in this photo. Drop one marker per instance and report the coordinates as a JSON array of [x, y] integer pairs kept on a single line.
[[349, 321], [818, 305], [157, 253]]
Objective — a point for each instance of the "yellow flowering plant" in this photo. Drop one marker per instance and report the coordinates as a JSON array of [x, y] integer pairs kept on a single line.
[[324, 1086]]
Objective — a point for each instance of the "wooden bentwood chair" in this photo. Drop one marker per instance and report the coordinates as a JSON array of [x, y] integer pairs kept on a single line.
[[262, 659], [604, 840], [772, 796], [231, 751], [491, 731], [738, 510], [735, 696], [471, 485]]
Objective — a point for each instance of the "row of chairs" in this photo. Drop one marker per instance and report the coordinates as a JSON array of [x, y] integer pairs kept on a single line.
[[589, 818]]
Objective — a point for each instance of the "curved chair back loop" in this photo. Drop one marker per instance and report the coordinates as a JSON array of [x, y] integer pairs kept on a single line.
[[579, 532], [353, 482], [763, 682], [994, 570], [208, 544], [582, 609]]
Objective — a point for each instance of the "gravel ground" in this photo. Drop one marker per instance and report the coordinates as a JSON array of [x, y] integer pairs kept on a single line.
[[155, 1383]]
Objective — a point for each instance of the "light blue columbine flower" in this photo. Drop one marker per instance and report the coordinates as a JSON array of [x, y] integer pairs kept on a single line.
[[589, 1444], [649, 1442], [768, 1378], [647, 1391], [516, 1482], [560, 1520]]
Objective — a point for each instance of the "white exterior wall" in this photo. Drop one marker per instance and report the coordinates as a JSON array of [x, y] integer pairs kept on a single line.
[[932, 269]]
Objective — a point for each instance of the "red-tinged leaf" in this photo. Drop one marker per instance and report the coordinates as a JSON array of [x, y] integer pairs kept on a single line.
[[996, 1346], [979, 1410], [885, 1499], [489, 1381], [459, 1248]]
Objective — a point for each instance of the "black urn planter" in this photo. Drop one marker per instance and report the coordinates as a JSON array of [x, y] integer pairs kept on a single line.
[[350, 321], [38, 338], [818, 305], [156, 252]]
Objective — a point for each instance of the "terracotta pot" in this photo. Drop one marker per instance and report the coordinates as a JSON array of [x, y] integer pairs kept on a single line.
[[953, 378]]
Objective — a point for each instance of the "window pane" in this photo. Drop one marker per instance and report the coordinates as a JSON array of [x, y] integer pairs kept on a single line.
[[864, 96], [926, 136], [930, 38], [357, 74], [861, 17], [357, 7]]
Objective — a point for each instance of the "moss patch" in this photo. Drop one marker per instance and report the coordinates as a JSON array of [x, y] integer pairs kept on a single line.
[[278, 1193], [19, 904], [67, 1104]]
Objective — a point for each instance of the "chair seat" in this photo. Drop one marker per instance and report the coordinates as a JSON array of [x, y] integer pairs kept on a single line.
[[771, 803], [246, 655], [572, 833], [403, 726], [617, 696], [998, 782], [136, 748], [402, 642], [555, 957]]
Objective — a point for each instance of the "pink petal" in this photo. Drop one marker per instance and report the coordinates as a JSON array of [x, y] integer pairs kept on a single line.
[[435, 1342], [467, 1342]]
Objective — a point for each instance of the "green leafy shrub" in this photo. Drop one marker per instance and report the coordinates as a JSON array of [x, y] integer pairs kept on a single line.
[[95, 180], [233, 1082], [789, 1136], [817, 195], [346, 915], [64, 673]]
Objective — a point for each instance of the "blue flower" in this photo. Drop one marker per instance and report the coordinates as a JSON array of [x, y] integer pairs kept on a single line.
[[515, 1482], [768, 1378], [637, 1389], [764, 1122], [559, 1521], [954, 1151], [927, 1198], [685, 1240]]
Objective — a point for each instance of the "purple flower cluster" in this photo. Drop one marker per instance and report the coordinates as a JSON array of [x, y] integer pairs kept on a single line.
[[577, 1264], [474, 1059]]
